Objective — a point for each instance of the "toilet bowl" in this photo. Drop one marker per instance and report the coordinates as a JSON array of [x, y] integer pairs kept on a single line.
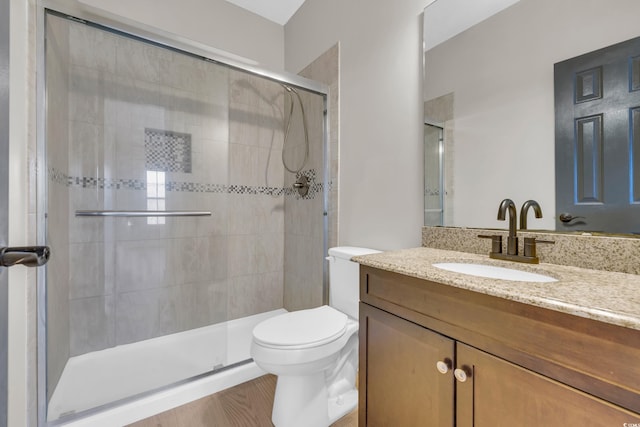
[[314, 352], [303, 392]]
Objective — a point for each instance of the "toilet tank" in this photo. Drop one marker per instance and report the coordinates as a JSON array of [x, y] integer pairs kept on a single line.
[[344, 278]]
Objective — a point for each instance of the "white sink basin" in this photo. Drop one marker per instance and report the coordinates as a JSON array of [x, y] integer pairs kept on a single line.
[[493, 272]]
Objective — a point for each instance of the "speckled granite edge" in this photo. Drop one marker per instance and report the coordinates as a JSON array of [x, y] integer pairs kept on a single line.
[[609, 297], [608, 253]]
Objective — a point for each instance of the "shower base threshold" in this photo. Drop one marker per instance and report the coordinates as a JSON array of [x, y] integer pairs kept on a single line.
[[100, 378]]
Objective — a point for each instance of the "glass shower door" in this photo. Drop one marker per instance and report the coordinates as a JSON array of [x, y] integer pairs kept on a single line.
[[175, 225], [137, 162]]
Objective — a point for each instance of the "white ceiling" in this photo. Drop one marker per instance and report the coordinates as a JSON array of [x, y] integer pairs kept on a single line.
[[278, 11], [444, 19]]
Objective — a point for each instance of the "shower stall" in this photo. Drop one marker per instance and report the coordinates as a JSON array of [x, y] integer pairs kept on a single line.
[[185, 200]]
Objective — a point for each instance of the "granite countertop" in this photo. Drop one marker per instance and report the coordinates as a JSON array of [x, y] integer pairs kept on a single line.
[[605, 296]]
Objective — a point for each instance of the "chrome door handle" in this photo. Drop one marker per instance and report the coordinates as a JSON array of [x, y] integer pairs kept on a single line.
[[29, 256]]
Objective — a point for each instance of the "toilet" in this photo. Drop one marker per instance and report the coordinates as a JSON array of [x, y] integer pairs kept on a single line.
[[314, 352]]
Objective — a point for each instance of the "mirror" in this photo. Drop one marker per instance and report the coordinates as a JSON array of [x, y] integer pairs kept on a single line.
[[491, 87]]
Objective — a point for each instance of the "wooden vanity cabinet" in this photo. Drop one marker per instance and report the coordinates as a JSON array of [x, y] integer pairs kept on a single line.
[[403, 387], [499, 393], [408, 325]]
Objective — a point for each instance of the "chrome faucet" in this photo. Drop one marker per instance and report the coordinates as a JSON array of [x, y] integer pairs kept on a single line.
[[512, 240], [525, 209]]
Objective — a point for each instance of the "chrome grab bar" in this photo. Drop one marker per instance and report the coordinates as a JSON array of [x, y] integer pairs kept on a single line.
[[29, 256], [142, 213]]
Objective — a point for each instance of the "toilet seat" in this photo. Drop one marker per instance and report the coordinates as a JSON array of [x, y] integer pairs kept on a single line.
[[301, 329]]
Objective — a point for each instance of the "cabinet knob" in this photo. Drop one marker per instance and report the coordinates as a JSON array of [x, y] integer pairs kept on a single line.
[[461, 374], [443, 366]]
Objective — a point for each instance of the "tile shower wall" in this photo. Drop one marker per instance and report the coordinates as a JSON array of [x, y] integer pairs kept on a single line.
[[304, 215], [148, 130], [256, 212]]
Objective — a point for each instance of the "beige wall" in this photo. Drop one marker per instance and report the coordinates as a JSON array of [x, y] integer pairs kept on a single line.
[[380, 111], [216, 23]]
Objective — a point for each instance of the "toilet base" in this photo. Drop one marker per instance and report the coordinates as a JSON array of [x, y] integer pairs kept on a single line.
[[304, 401], [342, 405], [301, 401]]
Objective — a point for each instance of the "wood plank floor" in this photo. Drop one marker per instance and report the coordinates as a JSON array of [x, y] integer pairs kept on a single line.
[[245, 405]]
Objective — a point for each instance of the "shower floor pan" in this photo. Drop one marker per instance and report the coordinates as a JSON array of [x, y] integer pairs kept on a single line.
[[99, 378]]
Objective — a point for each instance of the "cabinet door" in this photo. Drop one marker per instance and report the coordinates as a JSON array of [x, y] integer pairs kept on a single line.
[[498, 393], [400, 384]]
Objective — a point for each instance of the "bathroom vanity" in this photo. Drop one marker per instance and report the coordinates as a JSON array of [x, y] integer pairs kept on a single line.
[[439, 348]]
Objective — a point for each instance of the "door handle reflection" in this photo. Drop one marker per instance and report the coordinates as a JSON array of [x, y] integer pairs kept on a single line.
[[567, 217], [29, 256]]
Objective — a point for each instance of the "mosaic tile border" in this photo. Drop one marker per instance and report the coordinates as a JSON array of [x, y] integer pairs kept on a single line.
[[61, 178]]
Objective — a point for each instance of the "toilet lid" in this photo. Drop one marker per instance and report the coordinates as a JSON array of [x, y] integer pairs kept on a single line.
[[308, 328]]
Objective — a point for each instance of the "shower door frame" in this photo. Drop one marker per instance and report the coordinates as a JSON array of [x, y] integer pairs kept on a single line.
[[5, 25], [117, 24]]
